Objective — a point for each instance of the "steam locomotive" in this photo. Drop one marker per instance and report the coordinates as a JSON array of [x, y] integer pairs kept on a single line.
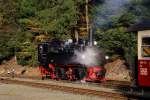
[[56, 62]]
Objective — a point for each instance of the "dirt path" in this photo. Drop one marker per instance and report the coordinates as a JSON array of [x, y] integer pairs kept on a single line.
[[18, 92]]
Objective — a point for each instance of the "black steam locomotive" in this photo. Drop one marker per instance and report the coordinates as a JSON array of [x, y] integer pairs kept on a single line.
[[55, 61]]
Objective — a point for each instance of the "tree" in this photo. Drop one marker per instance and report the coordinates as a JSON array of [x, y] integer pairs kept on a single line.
[[8, 26], [140, 8], [52, 17], [22, 20], [40, 18], [110, 25]]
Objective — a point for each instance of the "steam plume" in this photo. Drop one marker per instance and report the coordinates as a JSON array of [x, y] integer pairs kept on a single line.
[[109, 9], [89, 57]]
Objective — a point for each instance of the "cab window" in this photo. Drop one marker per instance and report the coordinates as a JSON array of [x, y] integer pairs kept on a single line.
[[146, 47]]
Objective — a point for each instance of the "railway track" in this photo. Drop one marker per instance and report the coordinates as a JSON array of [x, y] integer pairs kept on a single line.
[[75, 90], [109, 84]]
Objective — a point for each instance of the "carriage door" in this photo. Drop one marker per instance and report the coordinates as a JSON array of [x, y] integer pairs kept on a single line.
[[144, 58]]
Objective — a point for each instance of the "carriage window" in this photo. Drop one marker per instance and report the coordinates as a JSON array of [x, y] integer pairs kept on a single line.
[[146, 47]]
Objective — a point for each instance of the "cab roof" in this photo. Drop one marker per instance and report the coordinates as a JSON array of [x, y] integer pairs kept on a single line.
[[140, 26]]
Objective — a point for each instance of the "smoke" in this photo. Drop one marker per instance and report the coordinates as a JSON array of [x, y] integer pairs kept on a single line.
[[109, 9], [113, 6], [89, 57]]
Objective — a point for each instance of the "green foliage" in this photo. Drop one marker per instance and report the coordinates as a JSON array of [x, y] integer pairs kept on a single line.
[[27, 54], [27, 8], [6, 43], [140, 8], [8, 10], [8, 28], [51, 16], [116, 41], [25, 48], [19, 17], [111, 30]]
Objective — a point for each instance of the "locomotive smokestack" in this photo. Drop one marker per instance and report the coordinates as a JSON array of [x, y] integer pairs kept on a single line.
[[89, 30], [90, 38]]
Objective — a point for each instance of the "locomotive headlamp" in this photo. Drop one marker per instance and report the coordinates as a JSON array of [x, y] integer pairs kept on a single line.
[[95, 42], [52, 60], [70, 41], [106, 57], [83, 56]]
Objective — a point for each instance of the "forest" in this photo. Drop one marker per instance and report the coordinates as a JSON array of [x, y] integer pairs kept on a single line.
[[25, 23]]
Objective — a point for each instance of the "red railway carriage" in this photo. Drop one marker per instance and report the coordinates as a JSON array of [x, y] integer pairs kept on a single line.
[[144, 57], [143, 40]]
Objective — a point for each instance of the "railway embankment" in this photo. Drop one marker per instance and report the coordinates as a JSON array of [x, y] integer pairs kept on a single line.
[[115, 70]]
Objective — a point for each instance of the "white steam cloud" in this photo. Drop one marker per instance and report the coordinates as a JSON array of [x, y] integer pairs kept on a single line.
[[109, 9], [114, 6], [89, 57]]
